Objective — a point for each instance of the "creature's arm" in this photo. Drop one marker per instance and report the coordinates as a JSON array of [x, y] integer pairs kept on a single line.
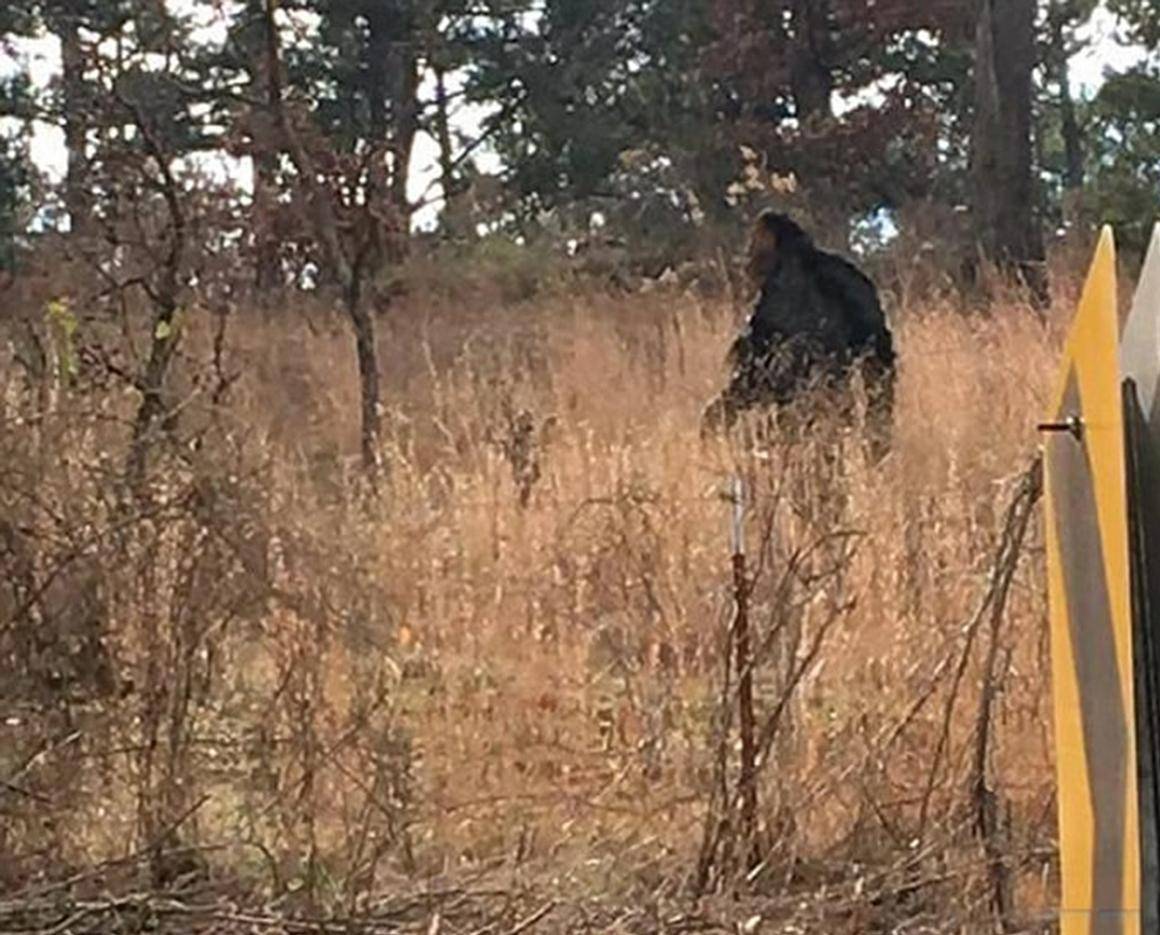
[[775, 374], [857, 294], [761, 326], [882, 345]]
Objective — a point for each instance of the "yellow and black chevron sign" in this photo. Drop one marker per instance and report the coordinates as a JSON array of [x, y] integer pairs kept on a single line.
[[1103, 562], [1140, 370]]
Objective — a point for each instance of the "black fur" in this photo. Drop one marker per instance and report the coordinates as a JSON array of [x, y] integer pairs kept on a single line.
[[816, 319]]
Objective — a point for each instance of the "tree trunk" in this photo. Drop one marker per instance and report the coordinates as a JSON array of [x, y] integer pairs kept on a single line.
[[350, 274], [267, 272], [383, 34], [453, 212], [443, 135], [76, 191], [1001, 159], [1073, 175], [150, 411], [405, 130], [165, 296], [362, 320], [810, 78], [392, 82], [1057, 54], [267, 265], [1069, 128]]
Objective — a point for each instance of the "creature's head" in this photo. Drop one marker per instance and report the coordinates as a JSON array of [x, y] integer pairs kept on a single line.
[[774, 235]]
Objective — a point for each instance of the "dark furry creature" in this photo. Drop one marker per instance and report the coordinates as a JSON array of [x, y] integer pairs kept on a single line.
[[817, 320]]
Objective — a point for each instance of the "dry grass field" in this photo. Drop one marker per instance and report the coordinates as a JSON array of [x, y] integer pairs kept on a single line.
[[500, 684]]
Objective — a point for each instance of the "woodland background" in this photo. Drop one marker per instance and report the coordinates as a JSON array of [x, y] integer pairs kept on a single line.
[[361, 568]]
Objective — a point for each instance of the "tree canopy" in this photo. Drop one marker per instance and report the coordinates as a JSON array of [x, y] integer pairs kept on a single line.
[[639, 114]]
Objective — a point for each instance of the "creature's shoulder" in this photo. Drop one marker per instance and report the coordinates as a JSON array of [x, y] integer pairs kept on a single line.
[[832, 267], [840, 278]]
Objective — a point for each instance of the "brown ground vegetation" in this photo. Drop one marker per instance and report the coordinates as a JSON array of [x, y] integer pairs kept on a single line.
[[491, 696]]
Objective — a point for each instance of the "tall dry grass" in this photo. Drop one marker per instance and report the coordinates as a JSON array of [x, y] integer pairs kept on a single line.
[[508, 665]]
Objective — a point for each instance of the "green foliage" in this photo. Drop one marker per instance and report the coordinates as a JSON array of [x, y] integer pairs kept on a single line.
[[633, 111], [1124, 165], [1141, 19], [17, 96], [17, 101], [357, 68], [104, 18], [494, 269], [587, 82], [637, 109], [16, 176], [868, 112]]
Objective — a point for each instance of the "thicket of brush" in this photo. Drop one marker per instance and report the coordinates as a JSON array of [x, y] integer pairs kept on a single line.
[[505, 671]]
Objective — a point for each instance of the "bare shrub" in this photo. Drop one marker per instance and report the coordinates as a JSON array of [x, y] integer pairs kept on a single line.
[[511, 666]]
